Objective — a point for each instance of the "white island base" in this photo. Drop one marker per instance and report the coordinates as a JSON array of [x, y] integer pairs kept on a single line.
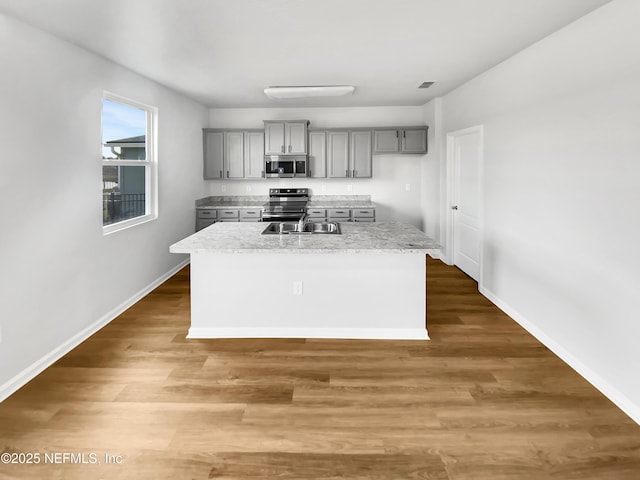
[[262, 295]]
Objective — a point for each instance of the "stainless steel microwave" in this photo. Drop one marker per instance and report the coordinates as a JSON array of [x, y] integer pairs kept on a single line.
[[286, 166]]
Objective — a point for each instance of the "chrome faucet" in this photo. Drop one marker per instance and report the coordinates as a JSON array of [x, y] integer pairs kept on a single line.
[[303, 220]]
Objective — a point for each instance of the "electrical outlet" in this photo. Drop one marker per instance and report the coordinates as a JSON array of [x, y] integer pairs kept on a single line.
[[248, 188], [349, 188], [297, 287], [407, 187], [324, 188], [223, 188]]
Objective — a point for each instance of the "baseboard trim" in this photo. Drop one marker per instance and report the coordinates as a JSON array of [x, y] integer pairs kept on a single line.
[[29, 373], [341, 333], [623, 402]]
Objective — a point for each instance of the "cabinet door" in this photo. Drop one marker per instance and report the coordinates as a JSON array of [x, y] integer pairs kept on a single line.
[[274, 138], [338, 154], [361, 154], [213, 155], [296, 137], [253, 155], [414, 141], [386, 141], [317, 154], [234, 154]]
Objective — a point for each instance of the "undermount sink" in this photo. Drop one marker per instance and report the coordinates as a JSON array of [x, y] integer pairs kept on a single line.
[[285, 228]]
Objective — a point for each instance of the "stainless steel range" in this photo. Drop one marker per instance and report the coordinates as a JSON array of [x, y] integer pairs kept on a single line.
[[285, 204]]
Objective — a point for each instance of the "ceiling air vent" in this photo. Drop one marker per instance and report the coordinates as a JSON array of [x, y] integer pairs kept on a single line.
[[425, 84]]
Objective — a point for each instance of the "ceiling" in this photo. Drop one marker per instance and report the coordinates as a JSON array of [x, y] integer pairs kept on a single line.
[[223, 53]]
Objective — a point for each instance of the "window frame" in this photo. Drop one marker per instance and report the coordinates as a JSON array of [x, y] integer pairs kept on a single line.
[[150, 163]]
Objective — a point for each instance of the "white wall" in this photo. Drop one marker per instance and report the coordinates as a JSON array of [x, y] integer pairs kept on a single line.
[[58, 273], [562, 194], [391, 173], [431, 171]]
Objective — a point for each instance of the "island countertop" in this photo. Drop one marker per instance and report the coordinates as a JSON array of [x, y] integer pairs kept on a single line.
[[371, 238]]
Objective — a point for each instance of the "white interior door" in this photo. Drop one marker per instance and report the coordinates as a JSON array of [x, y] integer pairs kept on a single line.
[[465, 156]]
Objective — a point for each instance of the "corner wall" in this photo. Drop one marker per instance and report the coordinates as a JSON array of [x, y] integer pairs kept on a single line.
[[561, 192], [60, 276]]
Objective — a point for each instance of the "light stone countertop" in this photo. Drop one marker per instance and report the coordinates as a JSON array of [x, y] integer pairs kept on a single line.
[[248, 201], [315, 201], [370, 238]]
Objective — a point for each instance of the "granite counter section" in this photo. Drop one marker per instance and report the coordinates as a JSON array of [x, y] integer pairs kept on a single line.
[[370, 238], [316, 201], [341, 201], [247, 201]]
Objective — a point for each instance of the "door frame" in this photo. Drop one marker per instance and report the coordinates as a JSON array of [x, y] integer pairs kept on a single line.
[[450, 193]]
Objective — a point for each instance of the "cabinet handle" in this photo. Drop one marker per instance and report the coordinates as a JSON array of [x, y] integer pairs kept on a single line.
[[346, 174], [396, 133], [263, 176], [289, 148], [227, 173], [221, 176], [282, 148], [355, 173], [404, 134]]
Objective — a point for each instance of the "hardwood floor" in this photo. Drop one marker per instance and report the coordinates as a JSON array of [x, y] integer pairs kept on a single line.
[[482, 400]]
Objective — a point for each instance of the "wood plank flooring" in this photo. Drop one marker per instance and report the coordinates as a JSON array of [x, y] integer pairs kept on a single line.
[[483, 400]]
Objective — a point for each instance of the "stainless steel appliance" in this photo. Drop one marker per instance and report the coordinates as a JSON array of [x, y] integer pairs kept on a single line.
[[285, 204], [285, 166]]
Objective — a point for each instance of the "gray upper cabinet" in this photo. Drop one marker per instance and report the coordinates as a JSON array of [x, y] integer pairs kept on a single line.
[[285, 137], [349, 154], [338, 154], [317, 154], [361, 154], [414, 140], [386, 141], [254, 154], [234, 154], [400, 140], [213, 155]]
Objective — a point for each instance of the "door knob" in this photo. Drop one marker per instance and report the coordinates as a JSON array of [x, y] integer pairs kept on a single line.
[[455, 207]]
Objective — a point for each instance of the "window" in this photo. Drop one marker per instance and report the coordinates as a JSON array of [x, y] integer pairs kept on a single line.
[[129, 193]]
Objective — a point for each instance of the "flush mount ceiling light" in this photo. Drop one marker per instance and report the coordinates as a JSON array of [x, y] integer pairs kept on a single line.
[[309, 91]]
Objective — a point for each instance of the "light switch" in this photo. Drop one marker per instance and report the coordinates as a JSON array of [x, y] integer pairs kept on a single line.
[[297, 287]]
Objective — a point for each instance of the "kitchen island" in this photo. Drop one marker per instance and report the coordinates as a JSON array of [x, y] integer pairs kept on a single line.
[[368, 282]]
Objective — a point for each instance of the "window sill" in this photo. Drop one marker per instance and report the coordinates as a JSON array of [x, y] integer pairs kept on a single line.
[[132, 222]]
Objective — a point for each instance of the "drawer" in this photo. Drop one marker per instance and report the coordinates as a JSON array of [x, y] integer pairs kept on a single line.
[[338, 213], [229, 214], [209, 213], [204, 223], [316, 212], [317, 219], [250, 214], [363, 212]]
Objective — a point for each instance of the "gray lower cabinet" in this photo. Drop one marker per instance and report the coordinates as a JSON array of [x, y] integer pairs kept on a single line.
[[338, 214], [317, 215], [363, 214], [205, 217], [250, 215]]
